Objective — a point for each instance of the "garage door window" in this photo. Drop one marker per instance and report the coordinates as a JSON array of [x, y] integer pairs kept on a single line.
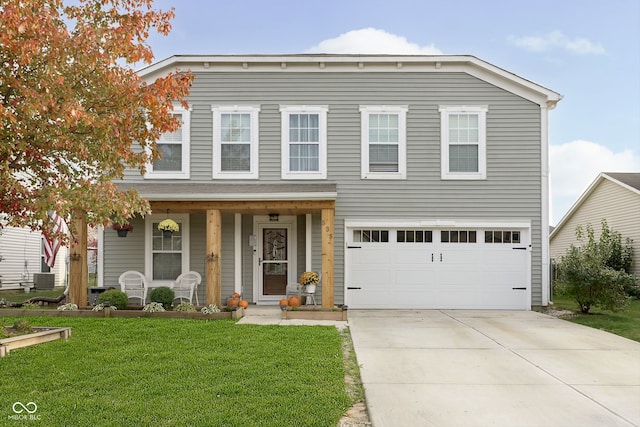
[[371, 236], [458, 236], [414, 236], [498, 236]]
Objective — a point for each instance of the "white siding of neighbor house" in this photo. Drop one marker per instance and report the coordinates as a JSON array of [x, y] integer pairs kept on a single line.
[[609, 201], [19, 246], [512, 190]]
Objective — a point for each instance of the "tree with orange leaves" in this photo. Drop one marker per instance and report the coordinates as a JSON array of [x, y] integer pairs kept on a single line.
[[73, 112]]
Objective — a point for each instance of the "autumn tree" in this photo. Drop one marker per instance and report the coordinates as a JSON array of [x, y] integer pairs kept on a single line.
[[73, 112]]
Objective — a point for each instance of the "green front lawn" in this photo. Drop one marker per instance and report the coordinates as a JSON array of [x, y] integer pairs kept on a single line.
[[624, 323], [174, 372]]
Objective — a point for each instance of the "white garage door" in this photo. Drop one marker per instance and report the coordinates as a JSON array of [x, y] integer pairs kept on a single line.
[[437, 268]]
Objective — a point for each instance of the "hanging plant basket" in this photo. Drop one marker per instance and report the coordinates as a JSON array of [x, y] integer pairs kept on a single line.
[[122, 229], [168, 227]]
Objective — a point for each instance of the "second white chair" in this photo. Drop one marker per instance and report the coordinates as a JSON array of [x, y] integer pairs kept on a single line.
[[186, 285]]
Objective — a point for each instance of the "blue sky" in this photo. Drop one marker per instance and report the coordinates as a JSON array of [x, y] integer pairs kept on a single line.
[[586, 50]]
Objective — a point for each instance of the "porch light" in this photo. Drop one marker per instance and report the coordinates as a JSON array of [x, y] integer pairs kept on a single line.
[[273, 217]]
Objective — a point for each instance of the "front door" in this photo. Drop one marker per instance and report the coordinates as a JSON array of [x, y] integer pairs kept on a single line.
[[275, 260]]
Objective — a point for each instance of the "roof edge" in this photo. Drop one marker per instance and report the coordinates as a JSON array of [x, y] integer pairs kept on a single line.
[[469, 63]]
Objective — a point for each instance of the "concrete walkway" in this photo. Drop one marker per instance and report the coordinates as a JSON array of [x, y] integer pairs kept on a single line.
[[493, 368], [271, 315]]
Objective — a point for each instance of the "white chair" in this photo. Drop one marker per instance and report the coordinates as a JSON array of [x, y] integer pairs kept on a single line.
[[186, 285], [134, 284]]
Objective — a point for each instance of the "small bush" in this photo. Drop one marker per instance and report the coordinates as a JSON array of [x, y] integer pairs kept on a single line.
[[3, 332], [163, 295], [115, 298], [185, 307], [153, 307], [68, 307], [210, 309], [22, 326], [585, 273]]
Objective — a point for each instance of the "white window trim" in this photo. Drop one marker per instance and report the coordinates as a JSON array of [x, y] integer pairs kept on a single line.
[[401, 111], [254, 142], [186, 150], [481, 110], [321, 110], [148, 244]]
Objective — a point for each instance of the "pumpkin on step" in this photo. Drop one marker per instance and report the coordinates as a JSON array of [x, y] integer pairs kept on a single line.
[[243, 303], [294, 301]]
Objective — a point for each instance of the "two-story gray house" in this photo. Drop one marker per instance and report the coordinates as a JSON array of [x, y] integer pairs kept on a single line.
[[406, 181]]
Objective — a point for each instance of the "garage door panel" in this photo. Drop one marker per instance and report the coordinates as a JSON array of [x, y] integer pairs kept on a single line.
[[433, 275], [418, 298]]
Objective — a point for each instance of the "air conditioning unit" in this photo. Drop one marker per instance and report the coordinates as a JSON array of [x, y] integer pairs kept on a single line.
[[44, 281]]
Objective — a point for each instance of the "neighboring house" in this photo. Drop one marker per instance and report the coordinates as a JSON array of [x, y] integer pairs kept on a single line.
[[407, 181], [614, 197], [22, 260]]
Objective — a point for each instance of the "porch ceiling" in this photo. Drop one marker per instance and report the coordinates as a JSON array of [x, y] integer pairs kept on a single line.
[[256, 199]]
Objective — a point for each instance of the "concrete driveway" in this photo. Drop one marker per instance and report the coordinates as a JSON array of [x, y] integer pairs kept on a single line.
[[493, 368]]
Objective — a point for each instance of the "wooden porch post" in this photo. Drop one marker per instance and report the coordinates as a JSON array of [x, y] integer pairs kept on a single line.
[[78, 273], [327, 257], [214, 251]]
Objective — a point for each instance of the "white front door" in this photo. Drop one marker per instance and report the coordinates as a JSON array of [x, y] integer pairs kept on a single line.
[[274, 259]]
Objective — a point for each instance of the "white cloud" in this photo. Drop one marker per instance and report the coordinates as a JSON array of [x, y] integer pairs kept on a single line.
[[575, 165], [372, 41], [556, 39]]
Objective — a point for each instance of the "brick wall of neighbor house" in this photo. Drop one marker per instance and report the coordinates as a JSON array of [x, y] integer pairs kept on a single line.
[[512, 189]]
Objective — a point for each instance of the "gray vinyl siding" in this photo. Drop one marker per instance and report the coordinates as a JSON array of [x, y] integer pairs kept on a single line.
[[123, 254], [619, 206], [512, 190]]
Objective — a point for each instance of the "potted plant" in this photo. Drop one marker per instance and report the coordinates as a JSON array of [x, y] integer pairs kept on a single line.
[[309, 279], [168, 227], [122, 229]]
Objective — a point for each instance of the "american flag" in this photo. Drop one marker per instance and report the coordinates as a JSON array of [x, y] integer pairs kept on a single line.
[[52, 244]]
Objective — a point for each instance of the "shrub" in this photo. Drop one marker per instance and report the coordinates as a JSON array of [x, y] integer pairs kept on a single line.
[[163, 295], [586, 276], [22, 326], [115, 298], [153, 307], [185, 307], [68, 307], [210, 309]]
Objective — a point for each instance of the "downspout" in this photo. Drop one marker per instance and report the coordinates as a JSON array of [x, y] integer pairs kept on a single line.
[[544, 214]]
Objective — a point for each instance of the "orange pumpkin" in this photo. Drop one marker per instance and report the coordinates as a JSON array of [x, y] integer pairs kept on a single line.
[[284, 302], [232, 302], [294, 301], [243, 303]]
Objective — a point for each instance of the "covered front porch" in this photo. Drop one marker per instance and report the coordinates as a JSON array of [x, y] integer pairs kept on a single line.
[[241, 223]]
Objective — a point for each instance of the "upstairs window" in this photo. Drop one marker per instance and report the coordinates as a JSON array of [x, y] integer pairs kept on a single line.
[[463, 146], [235, 142], [175, 149], [383, 148], [304, 142]]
